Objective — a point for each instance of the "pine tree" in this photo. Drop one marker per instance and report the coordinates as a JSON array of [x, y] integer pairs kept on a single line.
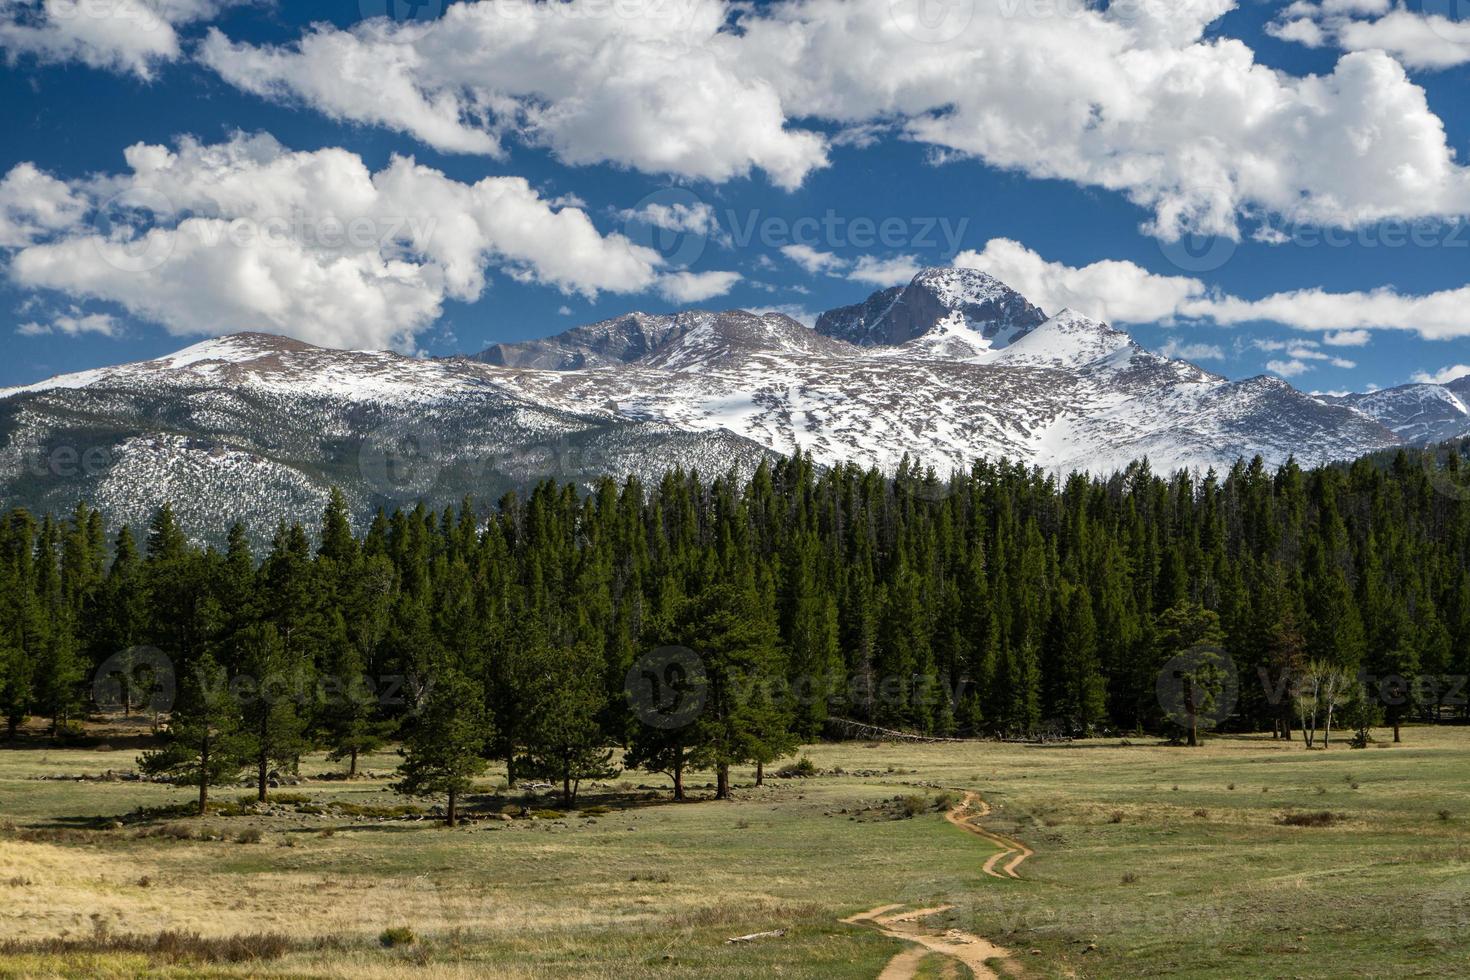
[[442, 751], [205, 745], [1084, 691], [273, 692], [1189, 636], [351, 723], [562, 739]]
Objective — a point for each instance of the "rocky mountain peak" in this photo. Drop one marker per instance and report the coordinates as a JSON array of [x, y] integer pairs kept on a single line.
[[966, 298]]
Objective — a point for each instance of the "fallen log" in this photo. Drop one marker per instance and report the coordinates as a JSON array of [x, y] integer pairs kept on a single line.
[[772, 934]]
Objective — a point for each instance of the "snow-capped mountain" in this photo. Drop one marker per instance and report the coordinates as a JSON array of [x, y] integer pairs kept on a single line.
[[953, 366], [1418, 414], [259, 428]]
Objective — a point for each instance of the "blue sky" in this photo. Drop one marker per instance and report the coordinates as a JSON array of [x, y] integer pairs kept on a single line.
[[657, 116]]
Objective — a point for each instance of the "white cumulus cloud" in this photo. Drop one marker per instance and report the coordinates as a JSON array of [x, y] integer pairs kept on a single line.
[[695, 287], [1134, 98], [1128, 293], [1424, 39], [659, 86], [1443, 376], [1173, 347], [72, 324], [249, 235], [132, 36]]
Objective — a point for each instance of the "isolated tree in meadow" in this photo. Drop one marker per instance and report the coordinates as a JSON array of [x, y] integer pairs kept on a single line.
[[666, 751], [1307, 695], [1286, 656], [772, 738], [1188, 636], [272, 690], [562, 739], [205, 745], [1335, 691], [1396, 663], [1361, 712], [442, 753], [726, 626]]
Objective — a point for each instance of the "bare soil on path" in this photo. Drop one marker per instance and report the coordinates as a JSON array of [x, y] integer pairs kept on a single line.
[[964, 816], [974, 952]]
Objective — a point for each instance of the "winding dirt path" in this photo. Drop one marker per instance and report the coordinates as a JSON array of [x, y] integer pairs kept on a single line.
[[964, 816], [973, 951]]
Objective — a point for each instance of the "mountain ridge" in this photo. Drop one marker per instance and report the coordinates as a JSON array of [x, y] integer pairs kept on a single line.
[[977, 370]]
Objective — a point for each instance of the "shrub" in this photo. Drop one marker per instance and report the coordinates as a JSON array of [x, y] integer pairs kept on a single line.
[[946, 799], [176, 831], [547, 814], [1321, 818], [397, 936], [1202, 814], [1117, 817], [69, 732], [1444, 814], [250, 835], [803, 768], [172, 946], [1129, 877], [661, 877], [593, 811], [912, 806]]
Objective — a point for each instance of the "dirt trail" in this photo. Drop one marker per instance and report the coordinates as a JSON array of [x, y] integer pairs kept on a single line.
[[970, 950], [964, 816]]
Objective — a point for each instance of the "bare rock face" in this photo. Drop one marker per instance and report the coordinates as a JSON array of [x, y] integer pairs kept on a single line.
[[900, 314]]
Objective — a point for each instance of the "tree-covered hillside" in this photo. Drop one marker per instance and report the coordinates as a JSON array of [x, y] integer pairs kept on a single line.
[[706, 623]]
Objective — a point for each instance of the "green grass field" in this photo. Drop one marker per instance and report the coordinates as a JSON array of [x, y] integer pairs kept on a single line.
[[1149, 860]]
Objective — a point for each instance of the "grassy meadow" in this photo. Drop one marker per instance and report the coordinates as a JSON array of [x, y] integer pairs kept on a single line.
[[1149, 859]]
